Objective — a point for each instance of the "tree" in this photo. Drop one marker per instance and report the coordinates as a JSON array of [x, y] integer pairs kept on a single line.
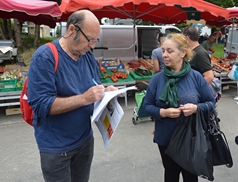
[[224, 4], [17, 30], [5, 29], [37, 36]]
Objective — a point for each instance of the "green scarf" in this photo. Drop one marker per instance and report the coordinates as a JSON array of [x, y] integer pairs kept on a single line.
[[169, 94]]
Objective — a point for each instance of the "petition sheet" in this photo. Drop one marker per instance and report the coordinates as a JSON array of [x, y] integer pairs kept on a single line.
[[108, 113], [109, 120], [100, 105]]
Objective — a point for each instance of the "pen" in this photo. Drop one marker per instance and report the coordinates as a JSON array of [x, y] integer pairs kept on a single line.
[[94, 81]]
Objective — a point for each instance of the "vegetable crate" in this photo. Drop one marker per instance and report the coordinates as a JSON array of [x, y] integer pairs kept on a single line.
[[10, 85]]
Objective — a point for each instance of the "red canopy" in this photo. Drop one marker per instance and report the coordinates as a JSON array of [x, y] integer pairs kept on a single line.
[[233, 18], [163, 11], [36, 11]]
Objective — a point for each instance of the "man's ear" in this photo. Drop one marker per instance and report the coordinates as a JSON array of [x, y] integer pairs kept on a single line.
[[71, 28]]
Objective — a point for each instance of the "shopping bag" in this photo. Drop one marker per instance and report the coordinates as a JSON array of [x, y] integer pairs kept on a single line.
[[215, 87], [221, 154], [190, 146], [233, 74]]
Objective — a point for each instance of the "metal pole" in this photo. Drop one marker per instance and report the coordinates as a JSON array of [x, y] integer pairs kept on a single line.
[[231, 34], [134, 27]]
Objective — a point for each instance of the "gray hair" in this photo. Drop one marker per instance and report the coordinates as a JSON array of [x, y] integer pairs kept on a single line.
[[76, 18]]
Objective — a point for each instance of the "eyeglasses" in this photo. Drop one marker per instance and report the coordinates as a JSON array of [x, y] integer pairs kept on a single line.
[[90, 41]]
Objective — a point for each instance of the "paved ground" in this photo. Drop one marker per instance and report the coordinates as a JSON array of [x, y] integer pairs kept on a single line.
[[130, 157]]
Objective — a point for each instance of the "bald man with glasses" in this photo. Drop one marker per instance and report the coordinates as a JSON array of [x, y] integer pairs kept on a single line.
[[62, 100]]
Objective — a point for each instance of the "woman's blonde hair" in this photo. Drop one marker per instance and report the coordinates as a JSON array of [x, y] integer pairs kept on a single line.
[[182, 43]]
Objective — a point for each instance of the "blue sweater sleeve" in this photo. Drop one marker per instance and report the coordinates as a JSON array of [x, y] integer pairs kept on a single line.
[[41, 79], [151, 97]]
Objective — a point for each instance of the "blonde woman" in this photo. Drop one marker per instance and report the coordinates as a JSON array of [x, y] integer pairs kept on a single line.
[[171, 96]]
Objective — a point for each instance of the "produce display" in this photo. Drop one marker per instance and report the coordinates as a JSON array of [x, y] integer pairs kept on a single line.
[[114, 75], [9, 75], [1, 69], [221, 64], [142, 72], [13, 78], [147, 63]]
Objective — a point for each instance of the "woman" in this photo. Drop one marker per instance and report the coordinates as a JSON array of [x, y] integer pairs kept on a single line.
[[157, 55], [172, 95]]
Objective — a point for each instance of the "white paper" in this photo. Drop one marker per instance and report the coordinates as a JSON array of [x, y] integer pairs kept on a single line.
[[100, 105], [109, 120], [5, 49], [107, 114]]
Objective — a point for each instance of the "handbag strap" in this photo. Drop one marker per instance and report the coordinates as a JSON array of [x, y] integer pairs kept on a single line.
[[214, 129], [212, 119]]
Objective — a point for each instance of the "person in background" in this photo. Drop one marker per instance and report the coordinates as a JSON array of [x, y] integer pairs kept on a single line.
[[157, 55], [201, 60], [63, 100], [173, 95], [206, 35], [219, 36], [207, 44]]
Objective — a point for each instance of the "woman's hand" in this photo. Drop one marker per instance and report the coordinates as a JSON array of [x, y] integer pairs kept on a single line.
[[188, 109], [170, 112]]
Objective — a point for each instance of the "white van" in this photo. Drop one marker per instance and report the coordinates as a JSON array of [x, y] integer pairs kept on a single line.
[[231, 44], [128, 43]]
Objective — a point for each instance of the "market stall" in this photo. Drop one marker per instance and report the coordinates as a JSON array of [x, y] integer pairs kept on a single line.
[[112, 72], [11, 81], [221, 68]]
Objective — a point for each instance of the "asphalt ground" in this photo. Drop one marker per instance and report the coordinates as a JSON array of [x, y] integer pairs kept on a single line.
[[130, 157]]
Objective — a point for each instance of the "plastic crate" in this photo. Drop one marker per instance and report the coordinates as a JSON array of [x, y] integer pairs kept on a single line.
[[8, 85], [137, 77]]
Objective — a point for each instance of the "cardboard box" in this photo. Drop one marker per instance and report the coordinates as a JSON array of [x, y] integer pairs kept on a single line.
[[110, 64], [226, 87], [11, 67], [23, 69], [11, 111]]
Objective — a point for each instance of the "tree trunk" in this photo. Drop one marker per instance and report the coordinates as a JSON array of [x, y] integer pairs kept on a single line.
[[2, 33], [17, 30], [5, 30], [9, 28], [37, 36]]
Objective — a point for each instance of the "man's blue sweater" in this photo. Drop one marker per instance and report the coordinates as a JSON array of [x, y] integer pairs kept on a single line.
[[68, 131]]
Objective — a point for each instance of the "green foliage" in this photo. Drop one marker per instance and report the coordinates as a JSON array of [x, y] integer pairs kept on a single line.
[[225, 4], [28, 50], [219, 50], [141, 22], [28, 42], [58, 31], [182, 25]]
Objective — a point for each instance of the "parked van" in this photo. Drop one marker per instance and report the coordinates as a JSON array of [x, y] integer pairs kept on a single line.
[[231, 43], [128, 43]]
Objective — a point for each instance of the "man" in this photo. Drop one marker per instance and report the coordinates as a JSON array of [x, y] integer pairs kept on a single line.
[[157, 55], [207, 44], [62, 100], [201, 60]]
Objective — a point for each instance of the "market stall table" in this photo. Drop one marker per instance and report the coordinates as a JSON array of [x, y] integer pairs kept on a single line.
[[225, 80], [10, 98], [120, 84]]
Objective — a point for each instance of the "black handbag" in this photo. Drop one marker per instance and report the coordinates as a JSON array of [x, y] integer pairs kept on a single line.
[[190, 146], [221, 154]]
